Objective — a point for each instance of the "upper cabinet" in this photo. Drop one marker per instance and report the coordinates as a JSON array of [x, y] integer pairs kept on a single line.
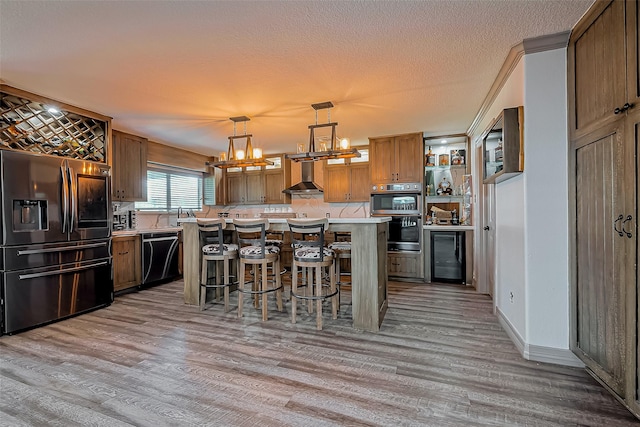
[[128, 167], [396, 158], [259, 184], [347, 180], [598, 90], [503, 146]]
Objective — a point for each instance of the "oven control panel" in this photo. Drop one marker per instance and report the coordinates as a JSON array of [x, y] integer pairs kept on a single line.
[[409, 187]]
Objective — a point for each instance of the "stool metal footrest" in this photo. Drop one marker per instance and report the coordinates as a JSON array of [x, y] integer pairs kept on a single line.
[[316, 297], [260, 292]]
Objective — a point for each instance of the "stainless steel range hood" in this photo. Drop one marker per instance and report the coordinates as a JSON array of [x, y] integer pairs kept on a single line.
[[306, 186]]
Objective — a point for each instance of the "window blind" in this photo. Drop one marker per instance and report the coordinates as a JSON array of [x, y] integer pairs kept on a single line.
[[171, 188]]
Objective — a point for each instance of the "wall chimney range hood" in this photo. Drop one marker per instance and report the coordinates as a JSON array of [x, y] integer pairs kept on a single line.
[[306, 186]]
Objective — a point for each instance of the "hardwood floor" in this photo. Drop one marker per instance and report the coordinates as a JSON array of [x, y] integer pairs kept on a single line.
[[440, 359]]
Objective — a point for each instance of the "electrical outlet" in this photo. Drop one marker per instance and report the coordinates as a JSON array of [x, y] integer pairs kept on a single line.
[[511, 297]]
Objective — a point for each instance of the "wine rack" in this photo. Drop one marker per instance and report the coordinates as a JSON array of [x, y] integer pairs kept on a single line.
[[37, 127]]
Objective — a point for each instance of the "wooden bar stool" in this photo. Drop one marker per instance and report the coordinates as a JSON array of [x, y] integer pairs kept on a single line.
[[214, 249], [254, 251], [312, 254]]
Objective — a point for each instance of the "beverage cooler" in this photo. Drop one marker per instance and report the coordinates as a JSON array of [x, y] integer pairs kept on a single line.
[[448, 261]]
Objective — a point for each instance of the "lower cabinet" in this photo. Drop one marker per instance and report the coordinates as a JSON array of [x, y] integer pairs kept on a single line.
[[405, 264], [127, 262]]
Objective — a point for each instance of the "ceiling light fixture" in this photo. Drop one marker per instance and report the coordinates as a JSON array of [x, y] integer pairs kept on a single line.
[[238, 158], [336, 150]]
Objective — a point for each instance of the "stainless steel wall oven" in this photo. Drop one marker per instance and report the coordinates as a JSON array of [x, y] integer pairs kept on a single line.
[[403, 203]]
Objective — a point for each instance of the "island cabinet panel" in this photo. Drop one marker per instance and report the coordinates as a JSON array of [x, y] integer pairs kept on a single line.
[[128, 167], [396, 158], [603, 173], [127, 268]]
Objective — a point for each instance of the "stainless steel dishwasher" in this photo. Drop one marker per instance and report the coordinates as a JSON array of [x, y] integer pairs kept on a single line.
[[159, 256]]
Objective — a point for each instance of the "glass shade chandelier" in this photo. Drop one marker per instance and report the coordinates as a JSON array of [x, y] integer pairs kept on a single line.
[[238, 158], [336, 149]]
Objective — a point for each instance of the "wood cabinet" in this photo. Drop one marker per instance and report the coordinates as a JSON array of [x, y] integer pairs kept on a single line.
[[128, 167], [265, 185], [127, 262], [396, 158], [347, 182], [405, 264], [604, 127]]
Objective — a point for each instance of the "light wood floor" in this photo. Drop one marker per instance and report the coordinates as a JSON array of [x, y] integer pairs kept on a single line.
[[440, 359]]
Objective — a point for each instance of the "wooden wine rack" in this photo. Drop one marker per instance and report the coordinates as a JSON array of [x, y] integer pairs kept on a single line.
[[29, 125]]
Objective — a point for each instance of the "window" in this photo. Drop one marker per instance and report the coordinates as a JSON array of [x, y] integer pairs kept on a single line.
[[171, 188]]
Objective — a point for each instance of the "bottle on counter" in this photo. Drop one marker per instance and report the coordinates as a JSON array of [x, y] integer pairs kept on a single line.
[[454, 218]]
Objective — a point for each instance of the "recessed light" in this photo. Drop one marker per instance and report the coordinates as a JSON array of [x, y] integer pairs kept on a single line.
[[444, 141]]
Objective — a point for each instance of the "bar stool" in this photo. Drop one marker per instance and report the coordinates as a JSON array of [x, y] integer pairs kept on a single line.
[[312, 254], [214, 249], [254, 251], [342, 247]]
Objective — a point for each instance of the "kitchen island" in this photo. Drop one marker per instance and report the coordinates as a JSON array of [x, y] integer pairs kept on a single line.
[[368, 264]]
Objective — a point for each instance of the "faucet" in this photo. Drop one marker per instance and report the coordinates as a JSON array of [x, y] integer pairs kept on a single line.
[[179, 211]]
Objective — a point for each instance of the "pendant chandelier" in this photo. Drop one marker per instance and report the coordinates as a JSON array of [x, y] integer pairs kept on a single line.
[[334, 150], [237, 158]]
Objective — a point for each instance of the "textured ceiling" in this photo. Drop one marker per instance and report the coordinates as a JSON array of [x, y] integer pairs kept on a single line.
[[175, 71]]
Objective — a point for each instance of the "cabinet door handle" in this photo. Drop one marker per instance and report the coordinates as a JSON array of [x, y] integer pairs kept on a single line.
[[485, 228], [629, 218], [615, 225], [622, 109]]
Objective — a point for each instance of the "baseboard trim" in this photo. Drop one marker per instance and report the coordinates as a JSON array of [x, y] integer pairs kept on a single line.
[[538, 353], [558, 356], [511, 331]]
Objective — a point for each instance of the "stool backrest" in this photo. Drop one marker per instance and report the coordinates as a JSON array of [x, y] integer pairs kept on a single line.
[[308, 232], [252, 232], [211, 232]]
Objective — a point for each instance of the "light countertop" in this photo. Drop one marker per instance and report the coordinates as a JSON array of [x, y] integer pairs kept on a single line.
[[133, 232], [448, 227], [370, 220]]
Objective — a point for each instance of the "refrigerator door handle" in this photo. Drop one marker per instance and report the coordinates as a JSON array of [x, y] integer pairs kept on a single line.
[[65, 197], [59, 272], [72, 188], [61, 249]]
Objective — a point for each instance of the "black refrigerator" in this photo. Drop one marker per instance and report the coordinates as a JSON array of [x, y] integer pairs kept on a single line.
[[448, 256], [55, 239]]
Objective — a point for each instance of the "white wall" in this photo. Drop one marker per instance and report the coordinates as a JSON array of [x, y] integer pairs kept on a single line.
[[546, 204], [509, 225], [532, 214]]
